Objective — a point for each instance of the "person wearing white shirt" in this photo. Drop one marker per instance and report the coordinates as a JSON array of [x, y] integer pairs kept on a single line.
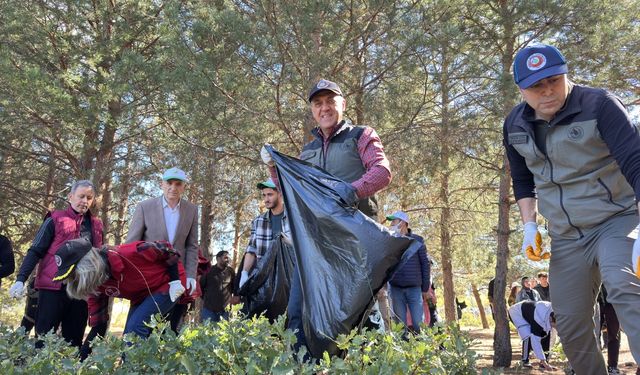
[[174, 219], [533, 320]]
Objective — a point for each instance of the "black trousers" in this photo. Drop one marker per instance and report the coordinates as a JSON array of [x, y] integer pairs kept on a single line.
[[608, 315], [55, 308], [176, 315]]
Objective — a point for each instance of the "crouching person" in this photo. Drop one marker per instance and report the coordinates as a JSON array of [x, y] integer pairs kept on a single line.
[[533, 320], [146, 273]]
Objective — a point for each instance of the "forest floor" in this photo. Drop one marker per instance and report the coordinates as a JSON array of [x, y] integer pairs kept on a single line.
[[483, 345]]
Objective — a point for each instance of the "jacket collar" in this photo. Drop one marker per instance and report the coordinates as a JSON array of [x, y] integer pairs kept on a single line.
[[73, 213], [337, 129], [571, 106]]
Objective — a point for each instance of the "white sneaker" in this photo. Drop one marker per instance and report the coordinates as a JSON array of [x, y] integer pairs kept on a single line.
[[613, 371]]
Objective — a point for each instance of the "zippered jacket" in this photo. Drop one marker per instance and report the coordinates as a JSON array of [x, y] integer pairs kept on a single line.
[[67, 227], [416, 272], [135, 274], [591, 166]]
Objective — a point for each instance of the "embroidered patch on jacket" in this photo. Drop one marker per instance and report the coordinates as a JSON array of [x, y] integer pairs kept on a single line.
[[518, 139], [576, 133]]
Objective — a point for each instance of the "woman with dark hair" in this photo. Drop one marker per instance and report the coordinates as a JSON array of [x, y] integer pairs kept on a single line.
[[55, 308], [513, 293], [146, 273]]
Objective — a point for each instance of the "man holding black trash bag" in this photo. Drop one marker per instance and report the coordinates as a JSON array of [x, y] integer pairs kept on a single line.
[[348, 152]]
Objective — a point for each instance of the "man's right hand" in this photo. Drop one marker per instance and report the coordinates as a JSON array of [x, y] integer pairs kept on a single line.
[[266, 156], [17, 289], [244, 276], [532, 243]]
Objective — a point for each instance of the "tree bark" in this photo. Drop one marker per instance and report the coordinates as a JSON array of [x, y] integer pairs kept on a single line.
[[502, 334], [483, 315], [123, 202]]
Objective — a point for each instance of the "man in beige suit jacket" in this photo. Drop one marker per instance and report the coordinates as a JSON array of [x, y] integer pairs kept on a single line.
[[170, 218]]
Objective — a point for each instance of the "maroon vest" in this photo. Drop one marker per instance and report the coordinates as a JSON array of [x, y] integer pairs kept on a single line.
[[67, 227]]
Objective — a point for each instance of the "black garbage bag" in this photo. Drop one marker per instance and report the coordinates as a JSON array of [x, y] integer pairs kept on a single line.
[[343, 256], [267, 288]]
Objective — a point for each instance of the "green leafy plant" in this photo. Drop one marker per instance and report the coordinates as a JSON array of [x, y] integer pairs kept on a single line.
[[240, 346]]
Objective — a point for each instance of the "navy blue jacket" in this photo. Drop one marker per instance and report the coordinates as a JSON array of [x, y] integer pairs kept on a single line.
[[417, 270]]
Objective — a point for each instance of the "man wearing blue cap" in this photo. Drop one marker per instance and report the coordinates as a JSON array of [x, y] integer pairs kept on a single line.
[[574, 152]]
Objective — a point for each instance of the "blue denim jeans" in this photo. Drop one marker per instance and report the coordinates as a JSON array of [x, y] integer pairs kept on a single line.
[[411, 297], [294, 309], [142, 312], [212, 315]]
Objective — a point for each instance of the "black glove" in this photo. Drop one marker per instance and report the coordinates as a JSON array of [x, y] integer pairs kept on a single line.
[[347, 193]]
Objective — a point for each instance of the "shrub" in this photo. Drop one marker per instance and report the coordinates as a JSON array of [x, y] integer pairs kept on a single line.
[[240, 346]]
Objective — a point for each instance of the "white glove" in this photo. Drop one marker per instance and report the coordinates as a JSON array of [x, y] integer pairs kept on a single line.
[[532, 243], [530, 230], [266, 156], [17, 289], [175, 290], [244, 276], [635, 258], [191, 284]]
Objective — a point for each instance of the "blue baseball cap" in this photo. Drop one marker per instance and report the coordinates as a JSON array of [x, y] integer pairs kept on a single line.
[[537, 62]]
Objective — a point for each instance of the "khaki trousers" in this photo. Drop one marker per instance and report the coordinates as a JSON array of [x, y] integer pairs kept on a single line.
[[576, 271]]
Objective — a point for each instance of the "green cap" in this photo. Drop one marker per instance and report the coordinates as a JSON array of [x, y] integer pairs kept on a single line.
[[267, 184]]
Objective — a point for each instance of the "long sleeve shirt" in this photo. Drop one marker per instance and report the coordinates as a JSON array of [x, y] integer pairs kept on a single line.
[[616, 129], [374, 160]]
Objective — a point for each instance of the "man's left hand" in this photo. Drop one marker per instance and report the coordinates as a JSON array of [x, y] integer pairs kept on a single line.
[[191, 285]]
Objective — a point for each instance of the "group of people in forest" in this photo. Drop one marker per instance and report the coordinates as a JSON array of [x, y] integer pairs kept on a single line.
[[573, 152]]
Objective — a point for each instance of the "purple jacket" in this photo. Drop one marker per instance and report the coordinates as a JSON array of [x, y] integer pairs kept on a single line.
[[67, 227], [417, 270]]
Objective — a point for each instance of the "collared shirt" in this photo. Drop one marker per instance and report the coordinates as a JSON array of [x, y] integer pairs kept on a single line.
[[374, 160], [262, 234], [171, 218]]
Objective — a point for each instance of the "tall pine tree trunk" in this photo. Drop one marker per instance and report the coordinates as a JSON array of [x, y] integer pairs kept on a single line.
[[476, 296]]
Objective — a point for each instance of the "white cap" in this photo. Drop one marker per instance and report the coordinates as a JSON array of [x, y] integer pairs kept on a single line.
[[399, 215], [175, 174]]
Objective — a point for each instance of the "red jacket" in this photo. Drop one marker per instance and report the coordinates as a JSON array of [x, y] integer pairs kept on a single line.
[[135, 275], [67, 227]]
